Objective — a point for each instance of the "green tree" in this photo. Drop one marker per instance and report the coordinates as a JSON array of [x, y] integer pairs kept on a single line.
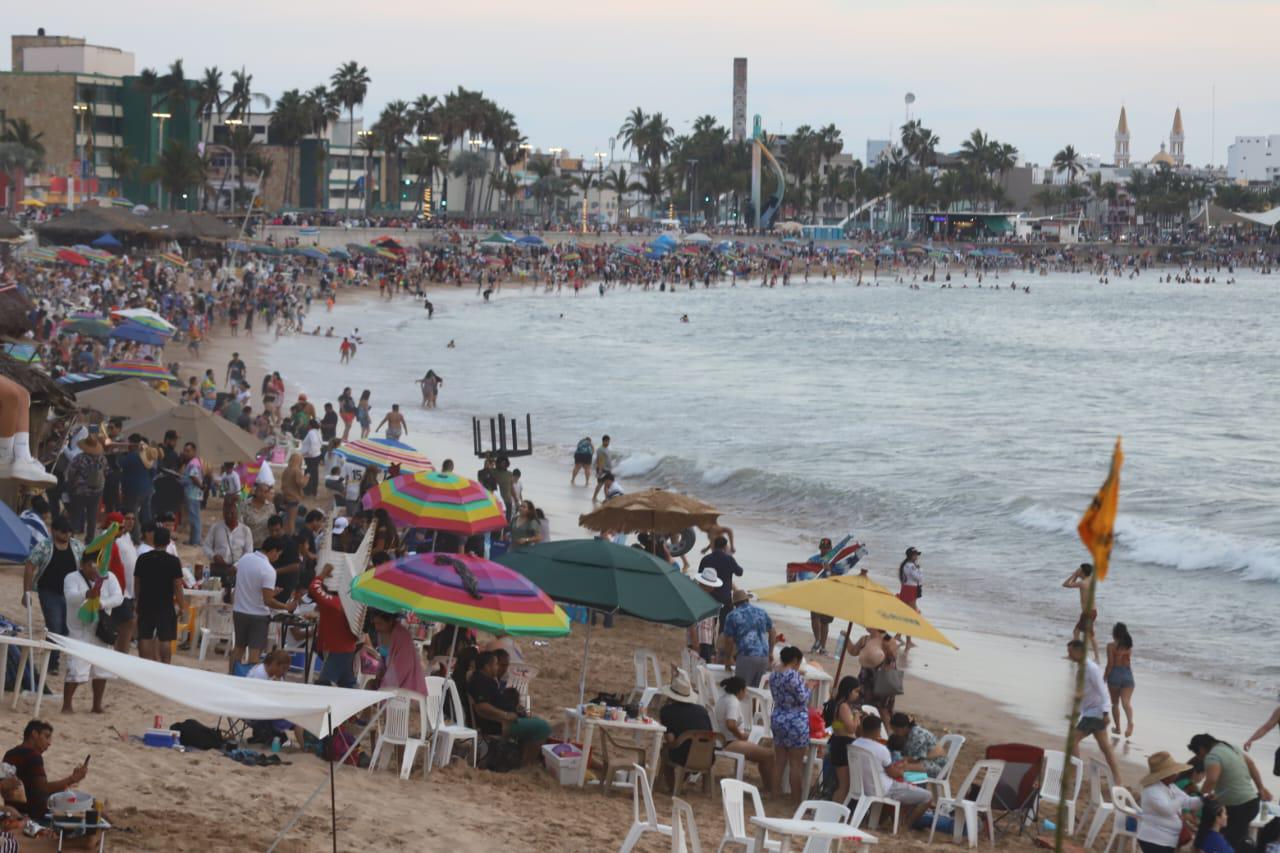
[[178, 169], [621, 184], [123, 165], [291, 122], [471, 166], [392, 128], [425, 160], [1068, 160], [350, 84]]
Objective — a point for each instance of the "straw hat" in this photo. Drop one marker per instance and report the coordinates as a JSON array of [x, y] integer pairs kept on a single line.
[[679, 689], [741, 595], [708, 578], [1162, 766]]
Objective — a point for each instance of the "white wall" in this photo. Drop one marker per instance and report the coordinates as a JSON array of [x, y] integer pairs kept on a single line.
[[1253, 158], [81, 59]]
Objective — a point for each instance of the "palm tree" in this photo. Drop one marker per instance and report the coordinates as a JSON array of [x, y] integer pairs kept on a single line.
[[620, 183], [1068, 160], [123, 164], [243, 147], [424, 160], [423, 114], [290, 123], [393, 127], [632, 132], [472, 166], [241, 98], [350, 84], [658, 135], [20, 132], [178, 169], [173, 86]]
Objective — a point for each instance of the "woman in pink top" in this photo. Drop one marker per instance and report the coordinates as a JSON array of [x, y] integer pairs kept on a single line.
[[403, 665]]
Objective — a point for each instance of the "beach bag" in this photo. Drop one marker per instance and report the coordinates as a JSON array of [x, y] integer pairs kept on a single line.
[[583, 449], [95, 478], [105, 630], [194, 734], [886, 683], [502, 756]]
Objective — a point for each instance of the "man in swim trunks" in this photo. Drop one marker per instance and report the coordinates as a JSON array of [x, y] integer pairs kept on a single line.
[[396, 425], [604, 464], [1079, 580]]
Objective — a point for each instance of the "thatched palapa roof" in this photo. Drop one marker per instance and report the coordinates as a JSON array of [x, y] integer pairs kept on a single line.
[[9, 231], [88, 223]]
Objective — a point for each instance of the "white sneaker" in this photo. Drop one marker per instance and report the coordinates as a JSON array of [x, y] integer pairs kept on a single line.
[[26, 471]]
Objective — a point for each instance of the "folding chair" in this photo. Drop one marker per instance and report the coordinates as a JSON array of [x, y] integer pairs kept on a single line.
[[1017, 795]]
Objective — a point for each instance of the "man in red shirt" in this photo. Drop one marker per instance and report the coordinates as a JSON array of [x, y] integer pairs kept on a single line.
[[333, 636], [28, 760]]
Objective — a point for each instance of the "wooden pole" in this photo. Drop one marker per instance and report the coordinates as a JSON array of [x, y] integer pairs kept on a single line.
[[1059, 832], [848, 632]]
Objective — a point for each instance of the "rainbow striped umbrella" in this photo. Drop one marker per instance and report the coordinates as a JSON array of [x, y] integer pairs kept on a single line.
[[173, 260], [147, 318], [437, 501], [139, 369], [383, 453], [462, 590]]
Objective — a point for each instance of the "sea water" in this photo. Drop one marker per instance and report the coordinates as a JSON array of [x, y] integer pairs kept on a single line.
[[974, 423]]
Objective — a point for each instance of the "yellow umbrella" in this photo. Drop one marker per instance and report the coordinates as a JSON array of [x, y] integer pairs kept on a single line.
[[856, 599], [31, 202]]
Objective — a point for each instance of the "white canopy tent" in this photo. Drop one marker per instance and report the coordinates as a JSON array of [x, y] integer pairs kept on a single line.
[[307, 705]]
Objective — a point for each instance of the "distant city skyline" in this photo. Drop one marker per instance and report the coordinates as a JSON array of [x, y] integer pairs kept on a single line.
[[1040, 74]]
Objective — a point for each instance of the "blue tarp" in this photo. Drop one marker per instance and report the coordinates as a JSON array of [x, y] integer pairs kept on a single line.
[[15, 536], [106, 241], [531, 240]]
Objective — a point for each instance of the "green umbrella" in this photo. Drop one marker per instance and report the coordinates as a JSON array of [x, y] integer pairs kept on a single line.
[[598, 574]]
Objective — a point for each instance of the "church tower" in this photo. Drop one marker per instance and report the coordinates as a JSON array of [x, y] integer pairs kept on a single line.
[[1122, 140], [1177, 138]]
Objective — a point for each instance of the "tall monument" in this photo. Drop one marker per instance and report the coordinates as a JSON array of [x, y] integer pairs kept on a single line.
[[739, 99], [1122, 140], [1177, 140]]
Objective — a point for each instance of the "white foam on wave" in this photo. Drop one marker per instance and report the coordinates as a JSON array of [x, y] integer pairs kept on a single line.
[[636, 464], [1181, 547]]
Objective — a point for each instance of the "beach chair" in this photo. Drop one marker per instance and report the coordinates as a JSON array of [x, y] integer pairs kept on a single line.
[[642, 799], [866, 785], [684, 829], [618, 758], [733, 794], [1125, 809], [941, 785], [975, 800], [700, 759], [648, 677], [761, 708], [1051, 787], [826, 812], [1098, 774], [395, 732], [1018, 794], [442, 694], [219, 627], [518, 677]]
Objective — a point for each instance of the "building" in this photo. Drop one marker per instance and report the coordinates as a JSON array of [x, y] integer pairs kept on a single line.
[[1254, 159], [1121, 157], [86, 102], [739, 99], [876, 149], [1177, 139], [1174, 156]]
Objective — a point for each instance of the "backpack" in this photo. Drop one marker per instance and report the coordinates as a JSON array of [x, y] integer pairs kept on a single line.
[[502, 756], [196, 735]]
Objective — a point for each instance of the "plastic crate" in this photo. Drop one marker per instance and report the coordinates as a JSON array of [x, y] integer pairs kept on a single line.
[[565, 769]]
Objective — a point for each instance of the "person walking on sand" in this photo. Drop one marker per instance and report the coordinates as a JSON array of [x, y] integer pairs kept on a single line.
[[1079, 580], [1119, 676], [912, 582], [395, 423], [582, 455], [1095, 705]]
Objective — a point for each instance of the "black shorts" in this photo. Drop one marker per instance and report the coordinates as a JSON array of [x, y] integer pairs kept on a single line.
[[582, 459], [162, 625], [123, 614]]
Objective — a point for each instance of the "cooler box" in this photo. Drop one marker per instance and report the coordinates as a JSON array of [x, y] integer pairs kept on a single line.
[[563, 768], [164, 738]]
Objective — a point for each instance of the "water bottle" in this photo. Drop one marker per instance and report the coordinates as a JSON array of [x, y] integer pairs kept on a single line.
[[1049, 826], [275, 745]]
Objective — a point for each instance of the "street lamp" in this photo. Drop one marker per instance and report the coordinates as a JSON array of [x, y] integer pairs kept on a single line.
[[232, 123], [81, 150], [363, 134], [159, 145]]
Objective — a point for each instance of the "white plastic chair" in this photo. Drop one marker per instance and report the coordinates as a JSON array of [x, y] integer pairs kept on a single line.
[[738, 759], [444, 735], [395, 732], [648, 677], [1052, 784], [219, 625], [761, 707], [965, 813], [1100, 806], [518, 677], [941, 785], [732, 796], [866, 785], [684, 829], [642, 799], [1125, 807], [826, 812]]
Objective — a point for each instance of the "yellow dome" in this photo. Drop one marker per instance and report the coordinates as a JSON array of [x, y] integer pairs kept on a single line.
[[1163, 157]]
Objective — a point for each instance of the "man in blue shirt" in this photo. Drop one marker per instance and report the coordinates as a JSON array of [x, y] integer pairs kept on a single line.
[[750, 639]]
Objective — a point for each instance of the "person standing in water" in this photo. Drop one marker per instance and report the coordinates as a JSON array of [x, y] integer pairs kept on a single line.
[[603, 464], [395, 423], [1079, 580], [1119, 677], [430, 385], [912, 582]]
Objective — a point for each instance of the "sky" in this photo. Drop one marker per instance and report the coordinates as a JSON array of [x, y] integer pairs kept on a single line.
[[1039, 74]]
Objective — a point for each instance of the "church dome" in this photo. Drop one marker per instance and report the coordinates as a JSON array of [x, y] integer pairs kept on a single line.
[[1163, 157]]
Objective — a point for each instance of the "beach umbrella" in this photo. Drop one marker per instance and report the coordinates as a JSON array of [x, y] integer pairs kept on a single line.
[[858, 600], [31, 202], [383, 453], [314, 253], [28, 353], [131, 331], [217, 439], [146, 317], [601, 575], [90, 327], [172, 260], [340, 254], [466, 591], [131, 398], [69, 256], [121, 202], [437, 501], [698, 238], [531, 240], [139, 369], [15, 536], [652, 510]]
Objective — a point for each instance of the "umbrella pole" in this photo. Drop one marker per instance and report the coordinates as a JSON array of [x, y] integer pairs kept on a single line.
[[582, 677], [333, 796], [848, 632]]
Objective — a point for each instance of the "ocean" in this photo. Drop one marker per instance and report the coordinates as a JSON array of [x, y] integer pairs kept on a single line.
[[974, 423]]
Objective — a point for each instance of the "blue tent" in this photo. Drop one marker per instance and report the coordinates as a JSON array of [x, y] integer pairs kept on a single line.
[[531, 240], [665, 240], [15, 536], [107, 241]]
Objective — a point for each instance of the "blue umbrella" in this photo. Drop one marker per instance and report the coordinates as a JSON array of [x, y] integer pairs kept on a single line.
[[130, 331], [106, 241], [15, 536]]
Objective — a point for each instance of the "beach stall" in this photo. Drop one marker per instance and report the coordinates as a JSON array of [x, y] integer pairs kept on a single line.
[[218, 439]]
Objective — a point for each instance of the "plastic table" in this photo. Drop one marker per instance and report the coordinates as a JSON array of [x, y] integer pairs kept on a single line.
[[575, 719], [36, 650], [790, 828]]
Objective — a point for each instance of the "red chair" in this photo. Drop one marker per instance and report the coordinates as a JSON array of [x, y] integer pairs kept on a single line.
[[1017, 794]]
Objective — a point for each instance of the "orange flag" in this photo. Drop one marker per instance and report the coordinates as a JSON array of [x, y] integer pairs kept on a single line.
[[1098, 522]]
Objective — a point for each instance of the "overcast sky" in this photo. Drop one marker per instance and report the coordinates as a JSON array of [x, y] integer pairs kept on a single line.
[[1037, 73]]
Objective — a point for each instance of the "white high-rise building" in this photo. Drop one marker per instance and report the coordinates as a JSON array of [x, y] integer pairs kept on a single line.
[[1254, 158]]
